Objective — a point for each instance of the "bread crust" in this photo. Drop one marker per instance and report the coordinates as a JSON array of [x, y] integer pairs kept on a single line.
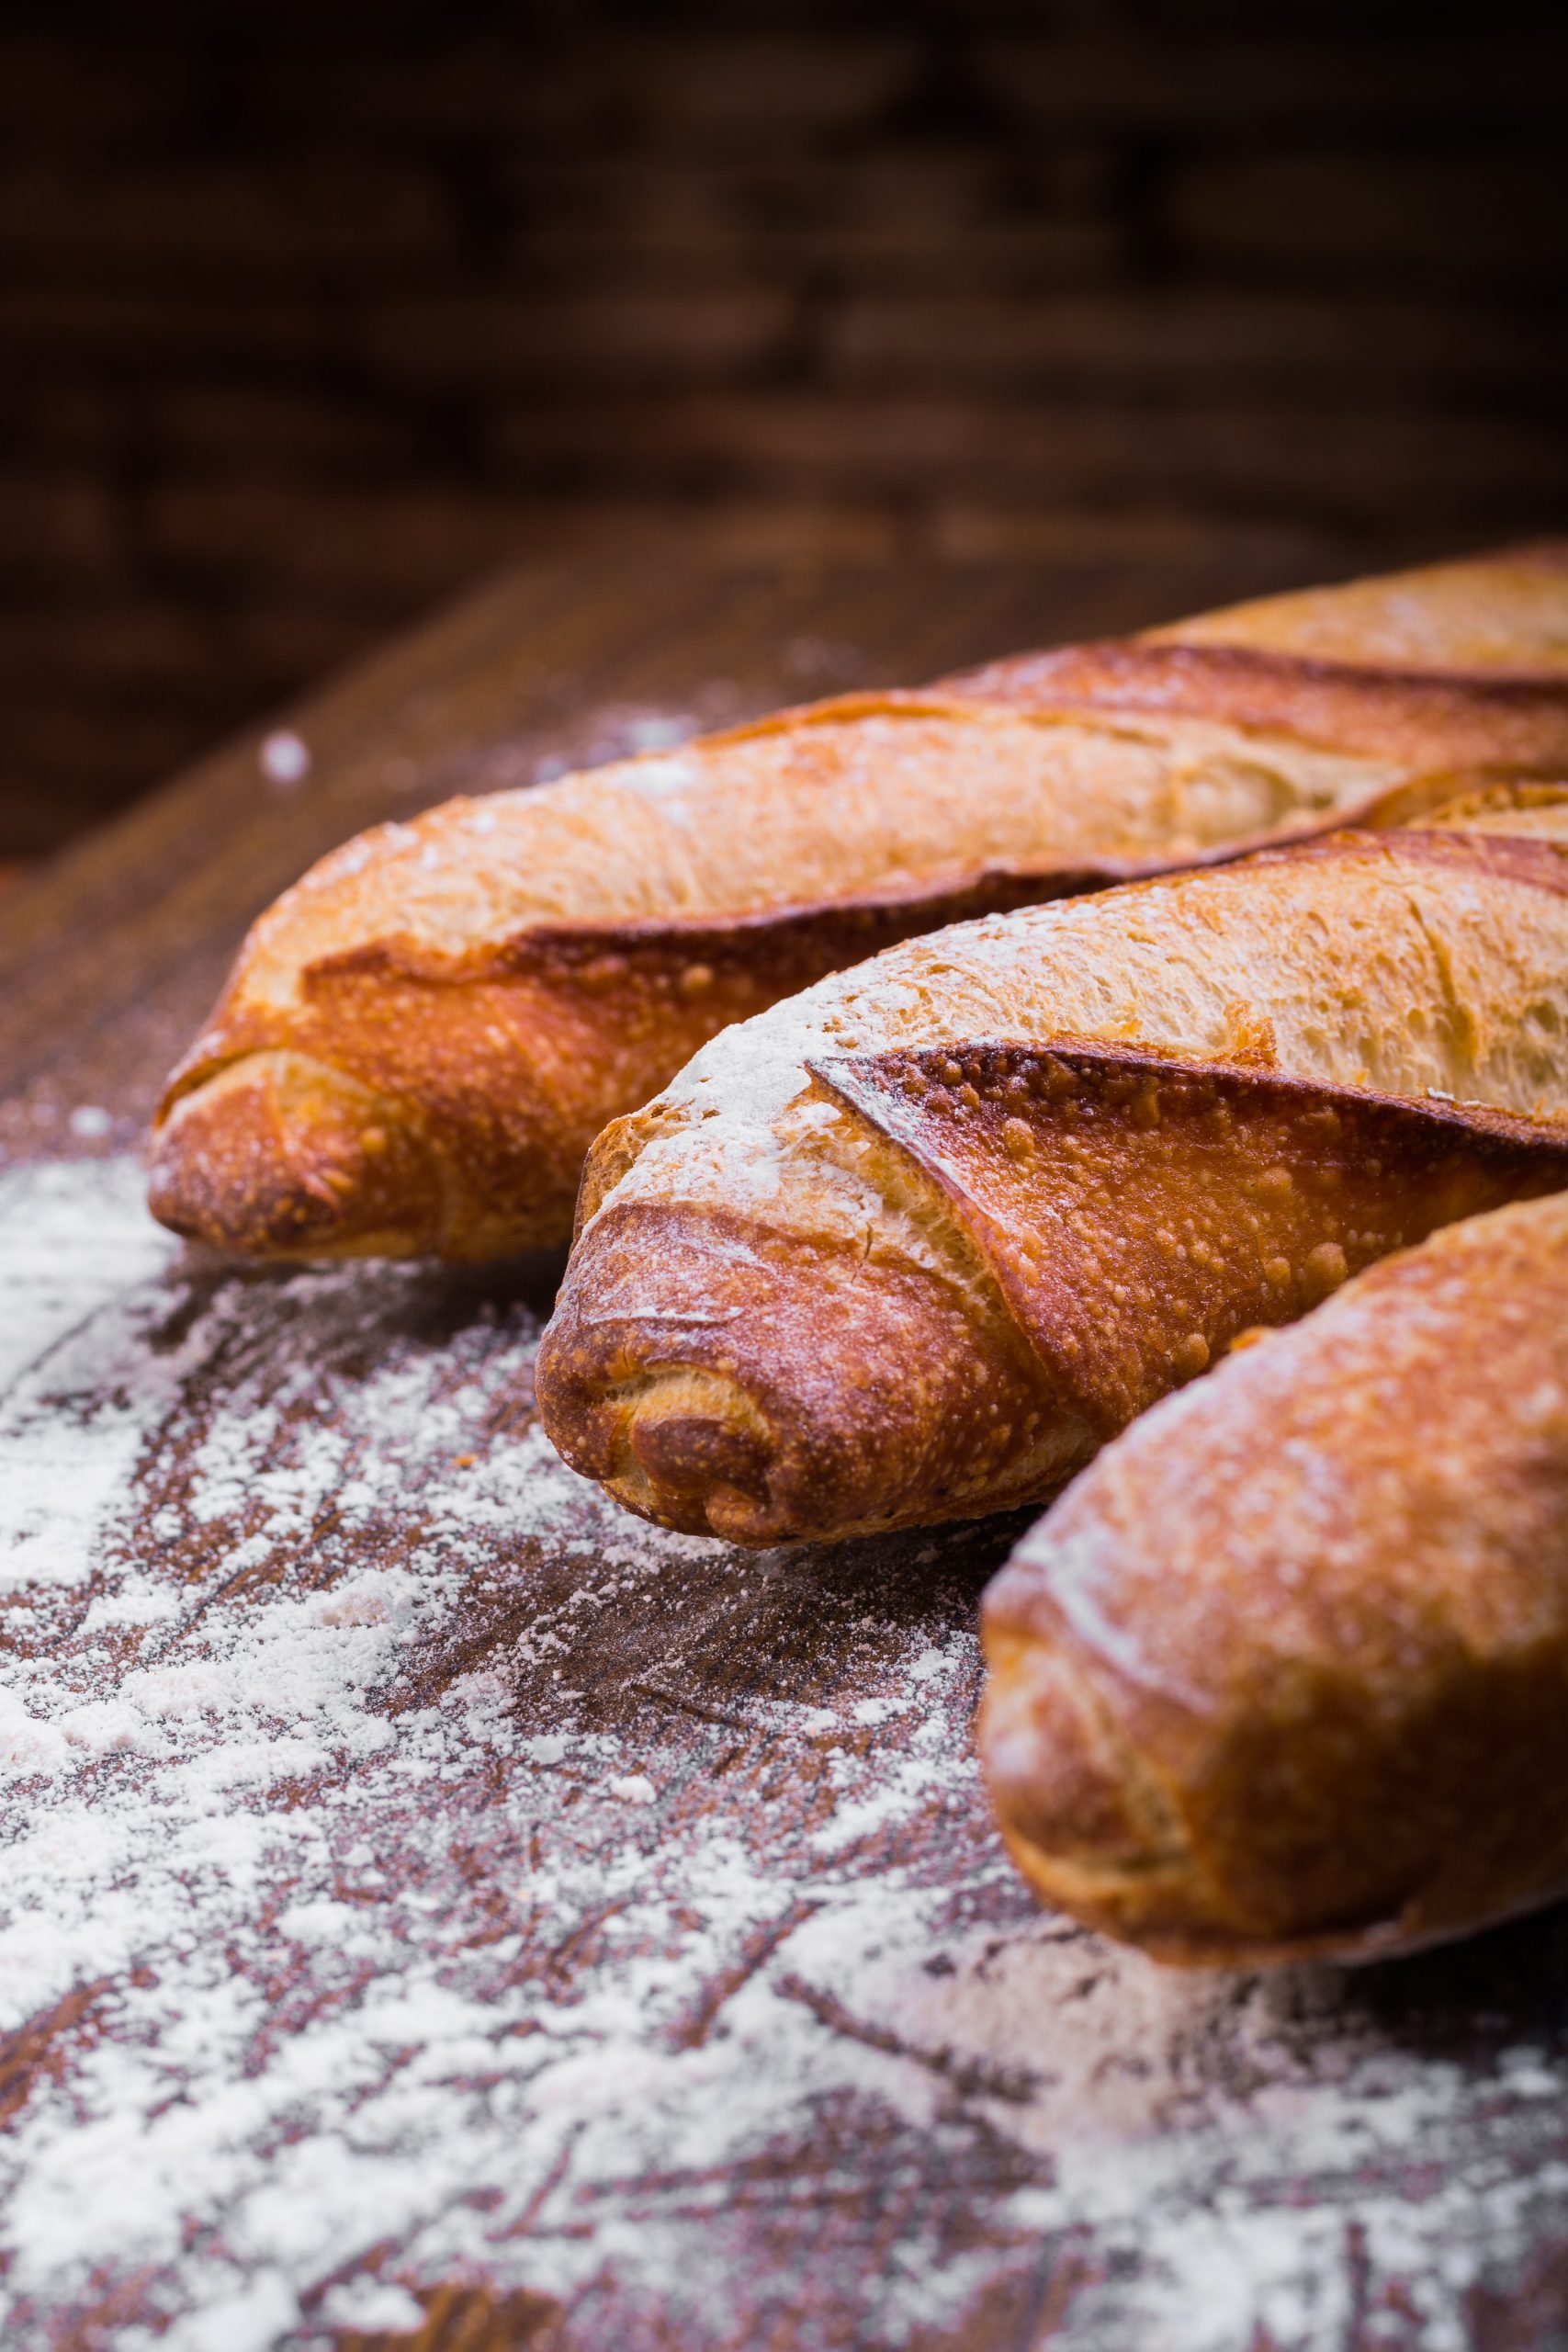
[[504, 977], [767, 1386], [1285, 1674], [1139, 1210], [495, 1068], [1176, 1043], [1415, 718], [1498, 615]]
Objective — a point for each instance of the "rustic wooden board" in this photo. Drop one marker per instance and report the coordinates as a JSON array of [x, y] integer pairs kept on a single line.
[[441, 1912]]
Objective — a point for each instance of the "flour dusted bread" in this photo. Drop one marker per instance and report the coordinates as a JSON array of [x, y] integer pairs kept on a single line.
[[1286, 1671], [419, 1041], [912, 1245]]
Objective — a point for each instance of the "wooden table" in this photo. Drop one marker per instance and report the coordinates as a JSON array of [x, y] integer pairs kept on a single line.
[[440, 1911]]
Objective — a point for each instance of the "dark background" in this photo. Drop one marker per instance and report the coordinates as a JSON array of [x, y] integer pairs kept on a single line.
[[310, 313]]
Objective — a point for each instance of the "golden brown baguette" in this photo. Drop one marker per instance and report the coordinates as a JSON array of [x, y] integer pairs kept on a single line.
[[1286, 1672], [1499, 616], [1535, 807], [859, 1267], [419, 1040]]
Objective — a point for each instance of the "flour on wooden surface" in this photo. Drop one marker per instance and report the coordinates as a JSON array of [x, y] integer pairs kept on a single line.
[[349, 1975]]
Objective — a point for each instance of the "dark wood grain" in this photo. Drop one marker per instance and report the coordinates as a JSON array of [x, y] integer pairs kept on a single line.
[[626, 1958]]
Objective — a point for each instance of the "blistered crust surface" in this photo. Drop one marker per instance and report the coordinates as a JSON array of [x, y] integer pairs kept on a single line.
[[1322, 1600], [1401, 963], [1393, 965], [505, 975], [872, 794], [1138, 1212], [726, 1376], [500, 1076]]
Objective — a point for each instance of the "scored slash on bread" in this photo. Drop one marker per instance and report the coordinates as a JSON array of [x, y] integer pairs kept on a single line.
[[512, 1051], [1138, 1211], [1419, 722], [1285, 1673], [804, 1302], [499, 1036], [421, 1040]]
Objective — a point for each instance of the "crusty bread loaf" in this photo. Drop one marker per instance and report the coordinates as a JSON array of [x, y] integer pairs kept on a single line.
[[1499, 617], [422, 1039], [1537, 808], [860, 1267], [1286, 1672], [1453, 665]]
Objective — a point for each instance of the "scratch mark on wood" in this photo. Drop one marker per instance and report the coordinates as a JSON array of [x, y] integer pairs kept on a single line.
[[755, 1955], [971, 2079], [692, 1707], [31, 2052]]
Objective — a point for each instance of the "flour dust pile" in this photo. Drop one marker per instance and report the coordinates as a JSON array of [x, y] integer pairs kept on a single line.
[[428, 1890]]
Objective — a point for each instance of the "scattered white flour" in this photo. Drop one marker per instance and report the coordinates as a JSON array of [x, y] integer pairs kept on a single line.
[[633, 1788], [285, 757], [348, 1954], [71, 1238]]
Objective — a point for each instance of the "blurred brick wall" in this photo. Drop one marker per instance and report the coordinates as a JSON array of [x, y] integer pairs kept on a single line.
[[309, 313]]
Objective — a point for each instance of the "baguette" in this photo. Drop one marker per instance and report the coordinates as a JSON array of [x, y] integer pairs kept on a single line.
[[422, 1039], [1286, 1672], [911, 1246]]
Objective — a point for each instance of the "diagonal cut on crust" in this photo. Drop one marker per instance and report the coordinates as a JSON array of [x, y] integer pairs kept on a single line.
[[493, 980], [1427, 719], [1139, 1210]]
